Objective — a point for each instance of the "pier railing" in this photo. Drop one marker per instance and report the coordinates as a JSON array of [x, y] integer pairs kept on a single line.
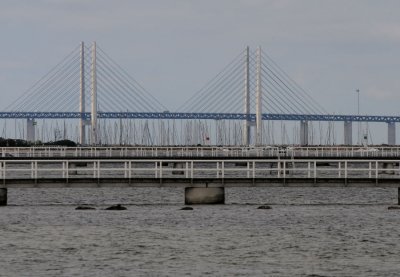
[[198, 169], [203, 151]]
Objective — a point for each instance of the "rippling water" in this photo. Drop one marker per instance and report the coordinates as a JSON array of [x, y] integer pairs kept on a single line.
[[345, 232]]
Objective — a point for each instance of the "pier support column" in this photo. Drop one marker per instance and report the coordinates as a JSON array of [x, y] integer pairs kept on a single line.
[[30, 129], [303, 132], [204, 195], [398, 196], [348, 133], [391, 133], [3, 196]]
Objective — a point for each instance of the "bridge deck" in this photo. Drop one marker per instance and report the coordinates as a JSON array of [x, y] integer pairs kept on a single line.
[[214, 116]]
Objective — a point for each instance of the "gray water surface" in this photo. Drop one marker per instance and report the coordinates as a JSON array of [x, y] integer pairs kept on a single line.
[[308, 232]]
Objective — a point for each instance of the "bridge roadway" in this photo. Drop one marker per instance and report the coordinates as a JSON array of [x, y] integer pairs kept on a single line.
[[214, 116]]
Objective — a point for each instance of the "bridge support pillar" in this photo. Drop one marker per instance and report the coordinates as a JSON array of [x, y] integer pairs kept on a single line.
[[398, 196], [303, 132], [391, 133], [30, 129], [348, 133], [204, 195], [3, 196]]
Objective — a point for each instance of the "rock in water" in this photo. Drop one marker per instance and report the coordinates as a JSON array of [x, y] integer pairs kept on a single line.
[[117, 207], [85, 208], [187, 209], [264, 207]]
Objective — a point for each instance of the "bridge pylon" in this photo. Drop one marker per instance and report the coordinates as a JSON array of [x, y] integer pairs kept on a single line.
[[82, 121], [258, 98], [247, 100], [247, 122], [93, 114]]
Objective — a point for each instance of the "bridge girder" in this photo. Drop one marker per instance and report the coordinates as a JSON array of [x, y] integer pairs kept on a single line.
[[211, 116]]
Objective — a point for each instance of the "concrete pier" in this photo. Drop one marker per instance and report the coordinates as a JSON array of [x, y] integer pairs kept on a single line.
[[195, 195], [303, 132], [391, 133], [348, 133], [30, 129], [3, 196]]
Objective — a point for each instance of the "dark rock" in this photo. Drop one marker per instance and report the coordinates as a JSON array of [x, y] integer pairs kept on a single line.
[[85, 208], [394, 207], [187, 209], [117, 207], [264, 207]]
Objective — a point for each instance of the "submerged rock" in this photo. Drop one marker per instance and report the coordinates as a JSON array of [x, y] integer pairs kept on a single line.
[[187, 209], [83, 207], [264, 207], [394, 207], [117, 207]]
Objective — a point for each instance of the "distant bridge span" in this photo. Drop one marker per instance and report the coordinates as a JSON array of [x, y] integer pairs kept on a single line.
[[215, 116], [251, 88]]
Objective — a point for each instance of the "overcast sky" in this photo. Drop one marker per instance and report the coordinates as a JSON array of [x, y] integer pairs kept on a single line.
[[331, 48]]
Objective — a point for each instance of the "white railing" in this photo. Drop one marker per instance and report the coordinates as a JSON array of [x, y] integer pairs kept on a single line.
[[192, 169], [206, 151], [183, 151]]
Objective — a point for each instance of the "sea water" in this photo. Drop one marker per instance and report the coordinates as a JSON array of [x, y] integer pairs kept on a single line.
[[308, 232]]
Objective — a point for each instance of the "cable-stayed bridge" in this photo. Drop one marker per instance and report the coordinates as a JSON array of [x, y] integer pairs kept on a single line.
[[89, 85]]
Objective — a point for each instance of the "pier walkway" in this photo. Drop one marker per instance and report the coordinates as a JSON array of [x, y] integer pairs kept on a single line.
[[204, 172], [203, 177], [201, 151]]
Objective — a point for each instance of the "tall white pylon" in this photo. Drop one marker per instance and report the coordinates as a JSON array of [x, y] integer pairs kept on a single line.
[[82, 121], [94, 97], [258, 98], [246, 133]]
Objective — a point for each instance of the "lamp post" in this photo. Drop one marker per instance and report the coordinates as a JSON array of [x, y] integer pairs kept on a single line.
[[358, 113]]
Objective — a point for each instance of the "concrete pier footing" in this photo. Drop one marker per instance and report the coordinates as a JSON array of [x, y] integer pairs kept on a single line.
[[3, 196], [30, 129], [303, 132], [348, 133], [391, 133], [204, 195], [398, 196]]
